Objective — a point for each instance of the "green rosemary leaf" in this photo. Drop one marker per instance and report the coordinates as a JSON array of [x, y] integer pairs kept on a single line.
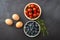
[[43, 27]]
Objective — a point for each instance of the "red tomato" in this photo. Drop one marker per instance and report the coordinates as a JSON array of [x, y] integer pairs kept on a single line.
[[30, 17], [32, 5], [30, 14], [35, 12], [38, 11], [29, 9], [34, 9], [38, 14], [27, 14], [34, 15]]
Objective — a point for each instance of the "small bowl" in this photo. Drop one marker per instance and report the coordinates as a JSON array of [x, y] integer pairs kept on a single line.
[[32, 30], [32, 18]]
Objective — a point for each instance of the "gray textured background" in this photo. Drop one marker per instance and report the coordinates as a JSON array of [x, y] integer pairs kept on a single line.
[[50, 13]]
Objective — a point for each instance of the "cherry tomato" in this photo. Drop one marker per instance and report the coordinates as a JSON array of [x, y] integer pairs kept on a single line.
[[30, 17], [34, 15], [34, 9], [26, 11], [37, 14], [38, 11], [29, 9], [27, 14], [30, 14], [32, 5]]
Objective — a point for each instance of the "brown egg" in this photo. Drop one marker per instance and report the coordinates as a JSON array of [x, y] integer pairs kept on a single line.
[[19, 24], [9, 21], [15, 17]]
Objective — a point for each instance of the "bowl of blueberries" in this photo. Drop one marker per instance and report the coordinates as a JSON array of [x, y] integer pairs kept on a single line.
[[31, 29]]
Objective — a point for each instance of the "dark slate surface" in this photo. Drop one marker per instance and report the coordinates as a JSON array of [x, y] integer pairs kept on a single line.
[[50, 13]]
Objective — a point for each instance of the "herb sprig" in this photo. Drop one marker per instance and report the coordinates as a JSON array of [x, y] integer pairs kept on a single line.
[[43, 27]]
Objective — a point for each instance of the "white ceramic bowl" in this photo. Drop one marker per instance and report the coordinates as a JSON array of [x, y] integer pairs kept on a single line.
[[26, 32], [32, 18]]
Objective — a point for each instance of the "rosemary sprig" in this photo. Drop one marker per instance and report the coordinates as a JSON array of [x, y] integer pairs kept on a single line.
[[43, 27]]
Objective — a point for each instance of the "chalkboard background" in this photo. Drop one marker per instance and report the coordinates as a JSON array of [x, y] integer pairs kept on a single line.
[[50, 14]]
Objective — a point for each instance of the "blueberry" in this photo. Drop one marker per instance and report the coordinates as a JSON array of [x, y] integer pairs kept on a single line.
[[33, 29], [31, 33], [26, 26], [36, 31], [27, 29], [29, 25]]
